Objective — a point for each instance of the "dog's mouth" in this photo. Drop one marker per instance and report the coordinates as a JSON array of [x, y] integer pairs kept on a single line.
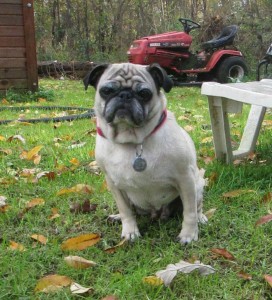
[[133, 114]]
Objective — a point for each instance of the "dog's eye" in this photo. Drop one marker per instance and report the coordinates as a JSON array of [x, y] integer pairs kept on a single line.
[[108, 89], [145, 93]]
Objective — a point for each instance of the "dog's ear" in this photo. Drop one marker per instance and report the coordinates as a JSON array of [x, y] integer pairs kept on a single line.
[[160, 77], [92, 77]]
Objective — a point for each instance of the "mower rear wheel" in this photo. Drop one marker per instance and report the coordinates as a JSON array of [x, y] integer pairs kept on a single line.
[[231, 69]]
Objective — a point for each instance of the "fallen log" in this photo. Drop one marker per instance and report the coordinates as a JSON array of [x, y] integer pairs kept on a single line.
[[73, 69]]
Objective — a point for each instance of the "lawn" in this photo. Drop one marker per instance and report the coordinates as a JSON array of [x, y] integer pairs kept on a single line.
[[54, 163]]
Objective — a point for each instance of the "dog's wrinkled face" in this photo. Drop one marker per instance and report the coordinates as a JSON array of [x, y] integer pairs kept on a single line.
[[125, 91]]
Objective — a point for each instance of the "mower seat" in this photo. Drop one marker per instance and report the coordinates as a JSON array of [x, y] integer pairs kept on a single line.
[[225, 38]]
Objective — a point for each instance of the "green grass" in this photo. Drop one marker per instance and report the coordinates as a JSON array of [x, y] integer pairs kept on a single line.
[[232, 227]]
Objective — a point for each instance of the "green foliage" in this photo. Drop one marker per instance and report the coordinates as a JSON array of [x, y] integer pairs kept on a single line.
[[14, 96]]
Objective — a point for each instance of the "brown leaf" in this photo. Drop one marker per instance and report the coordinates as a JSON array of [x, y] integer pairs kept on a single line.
[[80, 242], [16, 246], [79, 188], [31, 155], [49, 174], [268, 279], [110, 297], [237, 193], [267, 197], [34, 202], [85, 207], [17, 137], [223, 252], [74, 161], [52, 283], [264, 220], [55, 213], [244, 275], [40, 238], [78, 262], [114, 248], [210, 213]]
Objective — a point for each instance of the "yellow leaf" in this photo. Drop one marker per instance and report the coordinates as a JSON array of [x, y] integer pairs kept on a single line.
[[2, 138], [206, 140], [79, 188], [113, 249], [237, 193], [55, 214], [153, 280], [36, 159], [30, 154], [74, 161], [40, 238], [81, 242], [34, 202], [16, 246], [210, 213], [78, 262], [52, 283]]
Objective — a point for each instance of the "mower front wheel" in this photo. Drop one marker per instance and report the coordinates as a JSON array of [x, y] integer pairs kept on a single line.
[[232, 69]]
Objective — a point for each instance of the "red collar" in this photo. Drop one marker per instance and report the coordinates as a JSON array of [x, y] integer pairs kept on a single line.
[[160, 123]]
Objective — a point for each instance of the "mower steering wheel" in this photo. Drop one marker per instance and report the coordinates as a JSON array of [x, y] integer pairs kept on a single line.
[[189, 24]]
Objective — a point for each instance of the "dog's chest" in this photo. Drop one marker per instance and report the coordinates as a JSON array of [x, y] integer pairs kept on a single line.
[[152, 187]]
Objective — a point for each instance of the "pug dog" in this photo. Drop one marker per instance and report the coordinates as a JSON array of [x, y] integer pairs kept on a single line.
[[149, 161]]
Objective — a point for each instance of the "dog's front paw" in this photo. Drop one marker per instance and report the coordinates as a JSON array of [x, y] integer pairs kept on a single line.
[[130, 231], [187, 235]]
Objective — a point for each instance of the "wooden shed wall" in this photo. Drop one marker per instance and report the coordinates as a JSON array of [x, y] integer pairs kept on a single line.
[[18, 61]]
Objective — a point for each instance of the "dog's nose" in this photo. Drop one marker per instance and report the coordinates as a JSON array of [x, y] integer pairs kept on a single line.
[[125, 95]]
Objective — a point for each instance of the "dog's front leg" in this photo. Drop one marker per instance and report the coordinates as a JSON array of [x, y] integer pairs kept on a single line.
[[188, 194], [130, 229]]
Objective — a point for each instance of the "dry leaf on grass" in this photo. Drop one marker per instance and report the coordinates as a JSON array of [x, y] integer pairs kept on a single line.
[[264, 220], [85, 207], [76, 288], [52, 283], [16, 246], [153, 280], [172, 270], [81, 242], [268, 279], [40, 238], [210, 213], [244, 275], [34, 202], [223, 252], [55, 213], [17, 137], [267, 197], [78, 262], [110, 297], [79, 188], [114, 248], [237, 193]]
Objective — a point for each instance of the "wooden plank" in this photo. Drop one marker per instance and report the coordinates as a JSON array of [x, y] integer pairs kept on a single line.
[[13, 83], [9, 31], [12, 62], [12, 52], [12, 41], [30, 42], [10, 2], [11, 9], [8, 73], [11, 20]]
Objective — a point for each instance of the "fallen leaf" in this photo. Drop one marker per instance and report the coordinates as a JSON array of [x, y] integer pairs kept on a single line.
[[79, 188], [3, 200], [34, 202], [85, 207], [207, 140], [16, 246], [17, 137], [172, 270], [31, 155], [75, 162], [237, 193], [189, 128], [268, 279], [78, 262], [223, 252], [55, 213], [267, 197], [40, 238], [210, 213], [81, 242], [76, 288], [93, 168], [6, 151], [244, 275], [2, 138], [110, 297], [113, 249], [153, 280], [49, 174], [52, 283], [264, 220]]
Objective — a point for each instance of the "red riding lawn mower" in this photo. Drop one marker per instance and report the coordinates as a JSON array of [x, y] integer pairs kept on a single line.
[[218, 60]]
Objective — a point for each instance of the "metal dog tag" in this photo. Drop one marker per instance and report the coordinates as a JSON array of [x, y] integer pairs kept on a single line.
[[139, 164]]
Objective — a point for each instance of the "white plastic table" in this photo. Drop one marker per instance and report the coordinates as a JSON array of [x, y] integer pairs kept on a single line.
[[229, 98]]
